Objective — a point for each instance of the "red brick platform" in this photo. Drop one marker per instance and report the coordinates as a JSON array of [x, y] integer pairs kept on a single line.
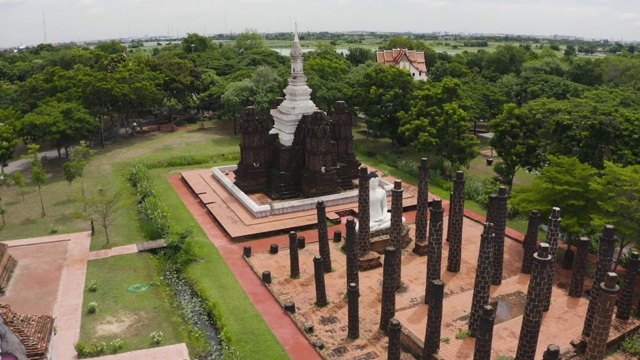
[[240, 224]]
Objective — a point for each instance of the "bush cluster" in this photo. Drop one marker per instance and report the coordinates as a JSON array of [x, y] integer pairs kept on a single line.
[[154, 217]]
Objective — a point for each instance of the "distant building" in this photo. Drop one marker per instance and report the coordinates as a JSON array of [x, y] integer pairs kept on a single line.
[[28, 337], [411, 60]]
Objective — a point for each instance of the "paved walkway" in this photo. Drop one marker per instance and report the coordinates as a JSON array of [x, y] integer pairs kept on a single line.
[[58, 280], [169, 352], [294, 342], [119, 250]]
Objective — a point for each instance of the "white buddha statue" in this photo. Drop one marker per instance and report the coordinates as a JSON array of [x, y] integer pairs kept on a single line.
[[379, 218]]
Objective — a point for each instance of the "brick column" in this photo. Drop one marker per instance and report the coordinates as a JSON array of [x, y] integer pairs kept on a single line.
[[628, 288], [534, 308], [597, 343], [552, 353], [603, 265], [530, 241], [484, 338], [352, 253], [395, 232], [353, 311], [294, 260], [491, 208], [499, 227], [395, 329], [364, 216], [388, 309], [323, 236], [321, 290], [579, 268], [420, 247], [553, 234], [434, 319], [434, 264], [482, 284], [454, 229]]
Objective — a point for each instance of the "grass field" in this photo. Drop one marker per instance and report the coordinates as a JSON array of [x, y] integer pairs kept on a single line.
[[125, 315]]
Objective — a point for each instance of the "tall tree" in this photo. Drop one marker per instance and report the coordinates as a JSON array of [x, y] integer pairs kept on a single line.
[[382, 93], [8, 138], [515, 138], [618, 196], [19, 180], [360, 55], [236, 97], [438, 125], [564, 183]]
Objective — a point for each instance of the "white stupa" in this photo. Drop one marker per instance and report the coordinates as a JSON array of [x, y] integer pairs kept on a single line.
[[297, 99]]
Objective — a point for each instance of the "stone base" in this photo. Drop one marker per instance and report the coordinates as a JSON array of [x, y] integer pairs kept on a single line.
[[369, 261], [380, 239], [421, 248]]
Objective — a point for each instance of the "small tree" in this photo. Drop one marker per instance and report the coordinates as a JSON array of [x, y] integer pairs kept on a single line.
[[19, 180], [618, 192], [78, 158], [38, 175], [2, 212], [103, 207], [564, 183]]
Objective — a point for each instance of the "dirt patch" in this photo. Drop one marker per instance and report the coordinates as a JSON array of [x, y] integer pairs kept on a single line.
[[117, 324]]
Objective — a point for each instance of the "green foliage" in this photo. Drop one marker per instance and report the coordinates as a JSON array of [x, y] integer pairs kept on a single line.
[[172, 161], [564, 183], [92, 308], [445, 340], [193, 43], [248, 40], [156, 337], [463, 334], [38, 174], [93, 286], [103, 206], [631, 344], [79, 157], [155, 218]]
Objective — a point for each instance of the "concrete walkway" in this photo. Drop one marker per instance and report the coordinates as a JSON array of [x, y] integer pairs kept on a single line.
[[119, 250], [169, 352], [293, 340]]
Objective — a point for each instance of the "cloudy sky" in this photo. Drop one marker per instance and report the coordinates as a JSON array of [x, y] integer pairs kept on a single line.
[[21, 21]]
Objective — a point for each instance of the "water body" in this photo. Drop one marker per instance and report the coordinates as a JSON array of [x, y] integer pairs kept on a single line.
[[287, 51]]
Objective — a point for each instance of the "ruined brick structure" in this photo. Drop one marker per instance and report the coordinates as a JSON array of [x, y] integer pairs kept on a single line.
[[597, 343], [321, 290], [434, 319], [482, 284], [303, 153], [579, 268], [482, 350], [605, 257], [353, 315], [352, 253], [389, 277], [530, 241], [454, 229], [323, 236], [395, 235], [499, 228], [628, 288], [434, 264], [395, 329], [420, 247], [294, 260], [534, 307], [553, 234]]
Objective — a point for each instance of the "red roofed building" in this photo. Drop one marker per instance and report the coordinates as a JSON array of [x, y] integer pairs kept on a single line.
[[411, 60], [25, 337]]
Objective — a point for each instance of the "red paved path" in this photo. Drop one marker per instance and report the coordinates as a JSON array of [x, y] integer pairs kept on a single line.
[[292, 339]]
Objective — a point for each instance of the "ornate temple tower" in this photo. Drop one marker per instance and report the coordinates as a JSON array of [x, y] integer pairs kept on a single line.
[[255, 153], [297, 101], [319, 175], [342, 126]]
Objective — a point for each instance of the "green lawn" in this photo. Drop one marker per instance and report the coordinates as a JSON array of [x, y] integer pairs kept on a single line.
[[126, 315]]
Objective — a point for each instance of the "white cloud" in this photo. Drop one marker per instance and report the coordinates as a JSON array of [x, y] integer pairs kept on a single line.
[[91, 5], [11, 2], [630, 17]]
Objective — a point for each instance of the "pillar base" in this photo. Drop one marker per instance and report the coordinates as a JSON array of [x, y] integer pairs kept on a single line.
[[381, 239], [421, 248], [369, 261]]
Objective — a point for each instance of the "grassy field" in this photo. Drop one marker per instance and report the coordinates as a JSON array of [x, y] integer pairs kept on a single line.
[[126, 315]]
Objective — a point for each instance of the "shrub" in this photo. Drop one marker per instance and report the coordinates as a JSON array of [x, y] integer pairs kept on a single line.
[[156, 337], [155, 218], [631, 344], [81, 349], [93, 286], [116, 345], [463, 334], [97, 348], [92, 308]]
